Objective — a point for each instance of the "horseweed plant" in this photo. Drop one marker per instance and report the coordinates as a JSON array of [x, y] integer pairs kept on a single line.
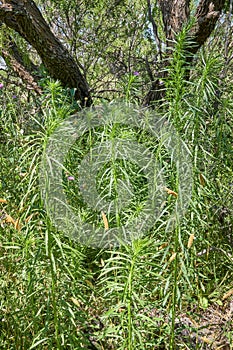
[[58, 293]]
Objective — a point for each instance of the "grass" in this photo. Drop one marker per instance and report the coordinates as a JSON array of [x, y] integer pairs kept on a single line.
[[59, 294]]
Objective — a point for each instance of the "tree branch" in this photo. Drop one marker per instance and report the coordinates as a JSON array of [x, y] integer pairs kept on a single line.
[[22, 72], [155, 29], [175, 14], [207, 14], [24, 17]]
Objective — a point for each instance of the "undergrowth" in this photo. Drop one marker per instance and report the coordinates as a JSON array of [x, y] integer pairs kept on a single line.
[[59, 294]]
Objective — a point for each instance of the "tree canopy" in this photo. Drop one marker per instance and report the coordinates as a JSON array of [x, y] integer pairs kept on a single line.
[[92, 46]]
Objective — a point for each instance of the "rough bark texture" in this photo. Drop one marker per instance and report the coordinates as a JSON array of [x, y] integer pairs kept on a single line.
[[27, 71], [175, 14], [19, 68], [24, 17], [207, 14]]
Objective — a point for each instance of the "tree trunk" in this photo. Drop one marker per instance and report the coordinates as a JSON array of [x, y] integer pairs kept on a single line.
[[175, 14], [24, 17], [207, 14], [28, 72]]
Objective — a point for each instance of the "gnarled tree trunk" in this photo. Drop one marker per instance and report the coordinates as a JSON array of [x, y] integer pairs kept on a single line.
[[175, 14], [24, 17]]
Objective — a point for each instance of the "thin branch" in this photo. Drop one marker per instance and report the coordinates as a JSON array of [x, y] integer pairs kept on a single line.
[[207, 14], [26, 18], [22, 72], [155, 29]]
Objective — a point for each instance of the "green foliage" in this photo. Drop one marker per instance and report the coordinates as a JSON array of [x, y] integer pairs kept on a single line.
[[108, 39], [58, 294]]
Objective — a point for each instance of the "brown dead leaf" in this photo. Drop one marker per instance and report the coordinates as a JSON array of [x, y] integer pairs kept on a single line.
[[202, 180], [172, 257], [190, 241], [105, 220], [173, 193], [3, 200]]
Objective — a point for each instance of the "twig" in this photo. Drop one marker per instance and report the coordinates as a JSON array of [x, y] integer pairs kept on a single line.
[[155, 30]]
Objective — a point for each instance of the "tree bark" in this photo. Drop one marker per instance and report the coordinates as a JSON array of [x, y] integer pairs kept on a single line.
[[175, 14], [22, 72], [24, 17], [207, 14], [27, 71]]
